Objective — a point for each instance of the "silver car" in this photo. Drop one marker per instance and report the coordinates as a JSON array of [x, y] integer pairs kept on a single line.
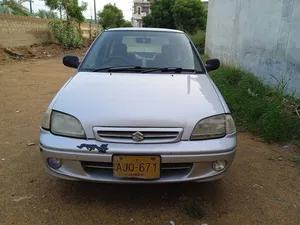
[[140, 108]]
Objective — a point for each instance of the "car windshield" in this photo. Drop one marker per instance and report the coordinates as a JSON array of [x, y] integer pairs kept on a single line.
[[141, 49]]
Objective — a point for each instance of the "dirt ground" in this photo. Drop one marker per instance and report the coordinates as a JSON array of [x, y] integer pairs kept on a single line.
[[40, 51], [263, 186]]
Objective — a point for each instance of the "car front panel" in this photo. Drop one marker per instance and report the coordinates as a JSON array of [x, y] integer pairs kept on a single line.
[[180, 161]]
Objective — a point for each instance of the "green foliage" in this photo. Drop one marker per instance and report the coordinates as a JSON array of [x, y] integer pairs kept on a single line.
[[76, 11], [127, 24], [67, 34], [161, 15], [260, 109], [46, 14], [71, 7], [111, 16], [162, 12], [199, 41], [296, 160], [148, 21], [186, 15], [5, 9], [68, 38], [14, 7], [204, 20], [189, 15]]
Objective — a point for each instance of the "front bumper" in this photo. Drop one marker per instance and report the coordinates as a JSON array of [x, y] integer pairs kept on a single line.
[[193, 157]]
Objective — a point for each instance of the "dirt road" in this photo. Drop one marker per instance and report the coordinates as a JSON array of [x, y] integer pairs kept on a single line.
[[262, 188]]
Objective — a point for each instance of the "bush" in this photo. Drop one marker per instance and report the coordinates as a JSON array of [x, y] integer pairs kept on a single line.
[[260, 109], [68, 38], [199, 41]]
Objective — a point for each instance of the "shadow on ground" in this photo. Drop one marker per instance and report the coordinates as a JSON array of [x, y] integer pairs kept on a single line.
[[186, 199], [140, 193]]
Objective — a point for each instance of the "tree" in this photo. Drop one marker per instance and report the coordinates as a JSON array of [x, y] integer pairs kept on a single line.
[[127, 24], [148, 21], [189, 15], [161, 14], [14, 7], [111, 16], [46, 14], [204, 21], [71, 7], [76, 11]]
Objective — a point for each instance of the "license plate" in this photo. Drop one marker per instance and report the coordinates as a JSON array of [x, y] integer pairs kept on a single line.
[[141, 167]]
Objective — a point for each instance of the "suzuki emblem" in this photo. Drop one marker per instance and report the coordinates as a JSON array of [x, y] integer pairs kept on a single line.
[[138, 136]]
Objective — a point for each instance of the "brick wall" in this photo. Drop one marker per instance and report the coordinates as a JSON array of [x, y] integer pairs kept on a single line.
[[25, 31]]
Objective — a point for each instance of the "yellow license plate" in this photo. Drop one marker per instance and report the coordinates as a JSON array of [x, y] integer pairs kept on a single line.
[[142, 167]]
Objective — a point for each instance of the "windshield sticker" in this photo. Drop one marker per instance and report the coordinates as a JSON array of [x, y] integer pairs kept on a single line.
[[102, 148]]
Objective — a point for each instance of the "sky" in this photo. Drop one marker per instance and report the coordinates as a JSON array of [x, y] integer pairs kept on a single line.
[[124, 5]]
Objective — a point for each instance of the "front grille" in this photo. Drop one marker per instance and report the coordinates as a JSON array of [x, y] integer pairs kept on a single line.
[[167, 169], [138, 135]]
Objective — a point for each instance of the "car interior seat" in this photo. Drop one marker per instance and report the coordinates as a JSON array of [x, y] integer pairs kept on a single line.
[[167, 58], [120, 50]]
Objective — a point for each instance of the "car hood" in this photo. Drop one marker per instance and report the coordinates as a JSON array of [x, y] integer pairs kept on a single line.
[[138, 100]]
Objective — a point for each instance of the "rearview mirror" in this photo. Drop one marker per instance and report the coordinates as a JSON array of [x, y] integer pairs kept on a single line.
[[71, 61], [212, 64], [147, 40], [141, 40]]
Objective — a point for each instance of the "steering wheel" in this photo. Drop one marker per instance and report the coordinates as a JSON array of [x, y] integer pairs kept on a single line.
[[117, 58]]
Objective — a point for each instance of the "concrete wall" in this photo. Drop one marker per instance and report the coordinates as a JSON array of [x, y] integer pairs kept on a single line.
[[25, 31], [259, 36]]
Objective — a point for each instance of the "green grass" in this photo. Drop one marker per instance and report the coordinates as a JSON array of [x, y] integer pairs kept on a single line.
[[199, 40], [296, 160], [258, 108], [262, 110]]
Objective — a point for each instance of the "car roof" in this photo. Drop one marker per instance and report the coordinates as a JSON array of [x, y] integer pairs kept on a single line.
[[144, 29]]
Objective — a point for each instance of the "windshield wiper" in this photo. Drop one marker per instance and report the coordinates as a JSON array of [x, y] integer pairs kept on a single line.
[[118, 69], [171, 69], [144, 69]]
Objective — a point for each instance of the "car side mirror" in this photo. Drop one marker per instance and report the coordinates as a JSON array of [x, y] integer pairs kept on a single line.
[[212, 64], [71, 61]]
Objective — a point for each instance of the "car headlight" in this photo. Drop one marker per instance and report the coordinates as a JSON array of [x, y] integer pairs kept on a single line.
[[46, 121], [230, 125], [213, 127], [66, 125]]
